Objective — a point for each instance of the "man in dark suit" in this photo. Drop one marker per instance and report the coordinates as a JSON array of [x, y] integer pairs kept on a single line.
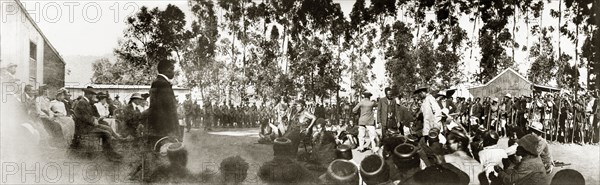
[[86, 122], [162, 113], [386, 113]]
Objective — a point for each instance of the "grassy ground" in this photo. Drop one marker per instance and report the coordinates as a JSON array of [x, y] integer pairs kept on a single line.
[[21, 164]]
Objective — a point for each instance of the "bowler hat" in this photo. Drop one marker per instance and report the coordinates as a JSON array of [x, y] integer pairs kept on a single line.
[[89, 90], [529, 143], [421, 88]]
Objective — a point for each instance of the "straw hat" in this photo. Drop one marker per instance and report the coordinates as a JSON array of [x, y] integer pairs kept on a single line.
[[136, 96], [537, 126]]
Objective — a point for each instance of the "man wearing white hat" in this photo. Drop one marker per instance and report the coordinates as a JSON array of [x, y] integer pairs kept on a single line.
[[537, 129], [8, 71]]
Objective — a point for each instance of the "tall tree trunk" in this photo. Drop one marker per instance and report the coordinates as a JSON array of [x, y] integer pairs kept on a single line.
[[559, 20], [513, 32], [528, 32], [474, 29]]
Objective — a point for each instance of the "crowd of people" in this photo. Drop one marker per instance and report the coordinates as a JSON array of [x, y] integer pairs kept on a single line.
[[421, 139], [437, 130]]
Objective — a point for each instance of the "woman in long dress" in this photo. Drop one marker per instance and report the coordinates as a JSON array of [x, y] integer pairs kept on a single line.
[[59, 109], [300, 124]]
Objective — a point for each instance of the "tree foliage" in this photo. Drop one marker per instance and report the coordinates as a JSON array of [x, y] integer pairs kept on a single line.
[[150, 36]]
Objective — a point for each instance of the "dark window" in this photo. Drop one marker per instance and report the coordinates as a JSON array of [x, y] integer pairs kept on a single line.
[[32, 62]]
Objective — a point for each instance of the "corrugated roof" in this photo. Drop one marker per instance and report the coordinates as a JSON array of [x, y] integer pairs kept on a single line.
[[506, 70]]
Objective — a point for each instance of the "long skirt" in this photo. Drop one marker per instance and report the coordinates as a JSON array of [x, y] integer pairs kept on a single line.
[[67, 126]]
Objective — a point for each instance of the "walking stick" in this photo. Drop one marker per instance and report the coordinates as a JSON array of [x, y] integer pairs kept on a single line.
[[487, 119], [556, 122], [573, 127]]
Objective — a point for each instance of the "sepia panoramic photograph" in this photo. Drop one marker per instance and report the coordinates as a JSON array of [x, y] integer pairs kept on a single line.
[[300, 92]]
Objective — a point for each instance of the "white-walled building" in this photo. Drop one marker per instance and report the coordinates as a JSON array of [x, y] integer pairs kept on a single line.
[[23, 43]]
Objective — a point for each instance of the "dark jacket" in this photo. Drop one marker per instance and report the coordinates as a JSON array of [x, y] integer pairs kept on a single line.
[[84, 116], [404, 115], [530, 171], [162, 118], [385, 107]]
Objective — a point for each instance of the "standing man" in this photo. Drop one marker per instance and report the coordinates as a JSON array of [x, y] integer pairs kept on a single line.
[[386, 114], [162, 118], [366, 121], [432, 113], [189, 108]]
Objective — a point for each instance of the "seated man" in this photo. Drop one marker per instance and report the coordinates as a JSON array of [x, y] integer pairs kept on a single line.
[[86, 123], [132, 116]]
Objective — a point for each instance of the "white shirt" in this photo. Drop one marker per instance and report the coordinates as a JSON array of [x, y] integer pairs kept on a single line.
[[102, 109], [491, 156], [58, 108], [432, 114]]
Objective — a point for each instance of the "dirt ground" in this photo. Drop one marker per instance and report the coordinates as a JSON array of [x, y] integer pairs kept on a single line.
[[206, 151]]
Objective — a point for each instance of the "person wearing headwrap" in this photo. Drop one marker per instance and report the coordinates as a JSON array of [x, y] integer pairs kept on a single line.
[[530, 170]]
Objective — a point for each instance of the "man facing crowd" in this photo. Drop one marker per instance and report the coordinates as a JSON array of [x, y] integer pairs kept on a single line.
[[162, 118], [386, 113]]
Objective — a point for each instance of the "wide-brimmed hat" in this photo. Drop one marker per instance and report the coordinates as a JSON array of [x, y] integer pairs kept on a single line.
[[367, 93], [495, 99], [441, 94], [62, 91], [537, 126], [529, 143], [420, 88], [89, 90], [136, 96], [508, 95]]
